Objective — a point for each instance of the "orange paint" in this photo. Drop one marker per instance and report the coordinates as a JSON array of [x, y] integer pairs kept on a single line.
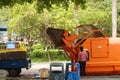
[[104, 52], [104, 55]]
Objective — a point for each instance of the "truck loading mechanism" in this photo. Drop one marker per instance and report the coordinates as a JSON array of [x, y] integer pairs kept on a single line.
[[104, 53]]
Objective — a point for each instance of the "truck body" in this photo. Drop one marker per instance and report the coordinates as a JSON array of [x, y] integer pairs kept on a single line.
[[104, 52], [103, 55], [13, 57]]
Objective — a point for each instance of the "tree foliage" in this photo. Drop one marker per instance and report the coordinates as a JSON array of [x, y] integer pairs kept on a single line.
[[24, 19], [44, 4], [63, 3], [13, 2]]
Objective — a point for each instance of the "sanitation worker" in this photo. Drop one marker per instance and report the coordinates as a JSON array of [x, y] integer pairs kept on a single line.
[[83, 57]]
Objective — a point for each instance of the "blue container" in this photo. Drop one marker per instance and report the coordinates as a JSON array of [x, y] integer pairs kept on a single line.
[[72, 75]]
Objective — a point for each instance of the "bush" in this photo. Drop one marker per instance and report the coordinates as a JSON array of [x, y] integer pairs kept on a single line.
[[37, 46], [38, 54], [56, 55]]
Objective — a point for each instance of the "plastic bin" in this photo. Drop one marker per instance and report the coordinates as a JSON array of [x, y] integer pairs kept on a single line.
[[56, 71], [72, 75]]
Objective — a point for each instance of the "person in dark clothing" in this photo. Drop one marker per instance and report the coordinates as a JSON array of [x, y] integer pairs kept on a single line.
[[83, 56]]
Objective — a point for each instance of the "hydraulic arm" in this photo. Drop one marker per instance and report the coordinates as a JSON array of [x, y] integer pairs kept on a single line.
[[61, 38]]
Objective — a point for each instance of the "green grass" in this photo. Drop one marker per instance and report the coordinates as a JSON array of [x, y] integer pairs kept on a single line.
[[39, 60]]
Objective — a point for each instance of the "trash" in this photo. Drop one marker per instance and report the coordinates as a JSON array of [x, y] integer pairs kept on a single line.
[[35, 76], [3, 74], [44, 73]]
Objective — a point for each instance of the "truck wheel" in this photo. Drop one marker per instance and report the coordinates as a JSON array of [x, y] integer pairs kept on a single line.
[[13, 72], [19, 71]]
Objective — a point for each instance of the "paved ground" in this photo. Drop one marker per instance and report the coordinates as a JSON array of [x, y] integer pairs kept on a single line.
[[29, 74], [28, 77]]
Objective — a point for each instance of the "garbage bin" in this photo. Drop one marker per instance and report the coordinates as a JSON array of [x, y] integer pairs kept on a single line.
[[72, 75], [56, 71]]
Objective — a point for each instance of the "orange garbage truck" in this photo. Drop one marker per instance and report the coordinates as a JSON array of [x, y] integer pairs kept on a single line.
[[104, 52]]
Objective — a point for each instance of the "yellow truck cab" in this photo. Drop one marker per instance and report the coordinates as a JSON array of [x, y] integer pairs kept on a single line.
[[12, 46]]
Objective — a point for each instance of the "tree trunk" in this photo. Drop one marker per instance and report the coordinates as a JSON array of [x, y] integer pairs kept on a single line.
[[76, 16], [48, 54]]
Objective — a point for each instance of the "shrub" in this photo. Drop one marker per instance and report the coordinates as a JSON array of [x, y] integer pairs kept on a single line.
[[37, 46], [37, 53], [56, 54]]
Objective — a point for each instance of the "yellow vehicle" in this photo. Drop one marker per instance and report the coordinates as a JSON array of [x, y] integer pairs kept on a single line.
[[12, 46], [13, 57], [13, 54], [10, 50]]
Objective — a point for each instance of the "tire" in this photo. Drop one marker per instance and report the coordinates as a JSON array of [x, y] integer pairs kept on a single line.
[[19, 71], [14, 72]]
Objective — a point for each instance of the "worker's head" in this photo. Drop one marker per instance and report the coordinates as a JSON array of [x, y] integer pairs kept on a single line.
[[81, 48]]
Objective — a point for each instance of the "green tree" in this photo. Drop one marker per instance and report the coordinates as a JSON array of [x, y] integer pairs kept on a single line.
[[24, 19], [42, 4]]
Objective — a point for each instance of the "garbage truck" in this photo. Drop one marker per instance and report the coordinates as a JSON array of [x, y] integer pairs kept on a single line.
[[104, 52], [13, 54], [13, 58]]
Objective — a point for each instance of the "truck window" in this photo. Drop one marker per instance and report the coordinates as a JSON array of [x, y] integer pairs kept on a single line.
[[17, 45], [10, 45], [2, 46]]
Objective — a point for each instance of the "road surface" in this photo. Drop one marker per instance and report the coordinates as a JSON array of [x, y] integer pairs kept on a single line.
[[30, 74]]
